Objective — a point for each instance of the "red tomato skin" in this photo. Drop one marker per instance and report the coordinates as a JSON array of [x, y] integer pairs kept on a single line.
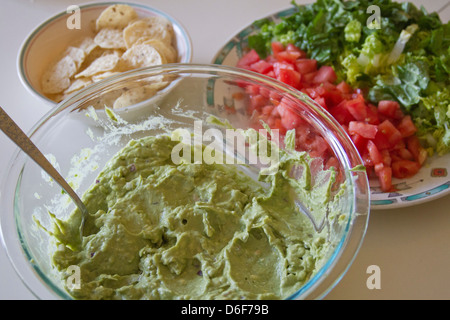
[[382, 134], [366, 130], [385, 178], [277, 47], [357, 109], [248, 59], [305, 66], [406, 126], [359, 141], [390, 132], [374, 153], [289, 77], [403, 169], [390, 109], [261, 66], [325, 74]]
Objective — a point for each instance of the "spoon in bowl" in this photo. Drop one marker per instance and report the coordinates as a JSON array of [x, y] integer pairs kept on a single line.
[[13, 131]]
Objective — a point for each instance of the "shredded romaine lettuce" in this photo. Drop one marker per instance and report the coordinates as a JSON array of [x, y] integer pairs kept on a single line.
[[406, 60]]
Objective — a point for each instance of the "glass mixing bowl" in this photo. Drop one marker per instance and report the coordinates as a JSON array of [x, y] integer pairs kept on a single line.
[[81, 135]]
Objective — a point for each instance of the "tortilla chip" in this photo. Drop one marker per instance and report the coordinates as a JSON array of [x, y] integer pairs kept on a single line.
[[87, 44], [167, 50], [109, 38], [116, 16], [77, 54], [152, 28], [78, 84], [133, 96], [139, 56], [57, 77], [106, 62], [101, 76]]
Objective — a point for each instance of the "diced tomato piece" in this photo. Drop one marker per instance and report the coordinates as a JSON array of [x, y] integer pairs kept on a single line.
[[381, 141], [387, 160], [306, 65], [374, 153], [357, 109], [267, 110], [390, 132], [321, 101], [289, 77], [341, 114], [278, 125], [359, 141], [404, 153], [277, 47], [390, 109], [288, 56], [279, 65], [289, 118], [332, 162], [332, 95], [261, 66], [414, 146], [385, 178], [404, 168], [292, 48], [308, 77], [325, 74], [372, 115], [265, 92], [257, 102], [271, 74], [366, 130], [406, 126], [344, 87], [248, 59], [318, 147], [252, 89]]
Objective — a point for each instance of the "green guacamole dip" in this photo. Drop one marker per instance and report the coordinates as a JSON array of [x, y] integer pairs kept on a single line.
[[194, 231]]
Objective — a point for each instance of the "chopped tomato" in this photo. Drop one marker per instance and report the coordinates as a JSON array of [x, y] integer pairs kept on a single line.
[[248, 59], [390, 109], [290, 77], [366, 130], [357, 109], [261, 66], [374, 153], [306, 65], [383, 135], [389, 131], [406, 126], [325, 74], [344, 87], [277, 47], [385, 178], [404, 168]]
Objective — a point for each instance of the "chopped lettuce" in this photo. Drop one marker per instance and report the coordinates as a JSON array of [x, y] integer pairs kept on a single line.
[[352, 31], [407, 59]]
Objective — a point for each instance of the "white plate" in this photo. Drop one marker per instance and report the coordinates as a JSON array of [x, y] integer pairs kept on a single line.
[[430, 183]]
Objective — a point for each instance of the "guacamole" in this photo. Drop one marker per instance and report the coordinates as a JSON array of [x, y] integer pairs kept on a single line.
[[158, 230]]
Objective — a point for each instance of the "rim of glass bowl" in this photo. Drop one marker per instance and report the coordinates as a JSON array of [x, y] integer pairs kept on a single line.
[[316, 288]]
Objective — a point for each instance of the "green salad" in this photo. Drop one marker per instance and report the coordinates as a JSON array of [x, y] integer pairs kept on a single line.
[[403, 54]]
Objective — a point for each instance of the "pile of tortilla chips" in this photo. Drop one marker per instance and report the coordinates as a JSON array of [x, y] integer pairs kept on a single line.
[[122, 42]]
